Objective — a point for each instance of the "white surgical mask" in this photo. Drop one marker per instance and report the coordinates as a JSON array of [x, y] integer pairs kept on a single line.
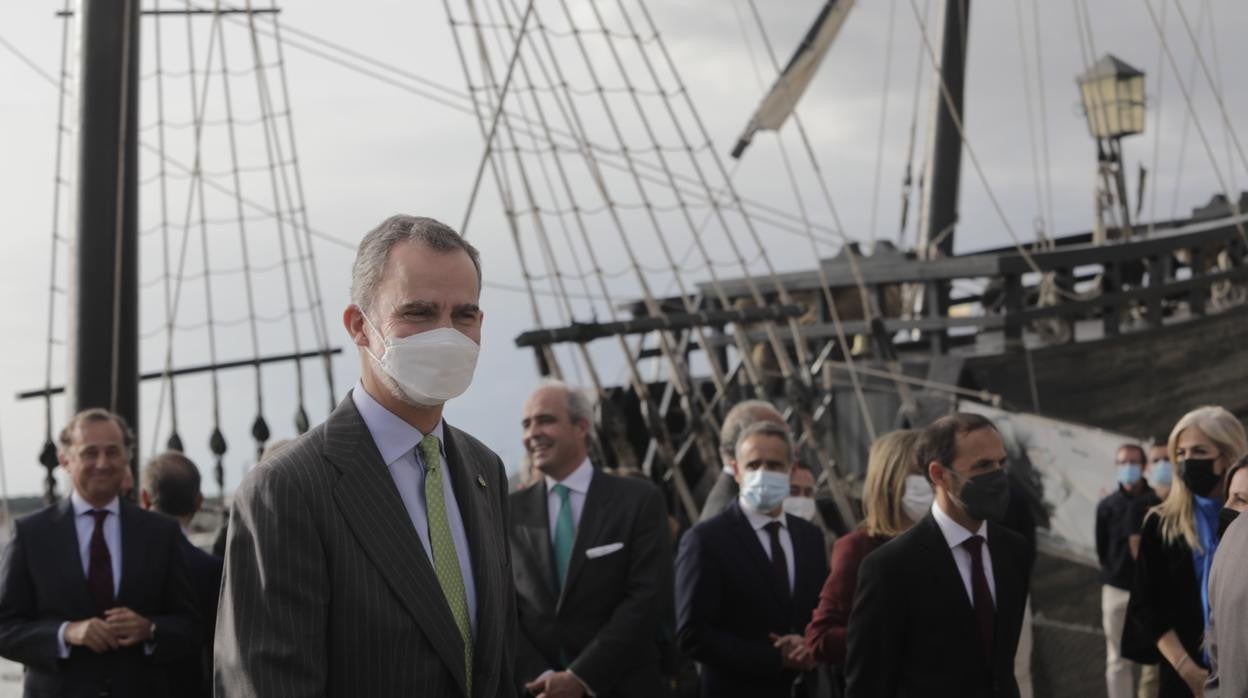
[[765, 490], [801, 507], [430, 367], [917, 499]]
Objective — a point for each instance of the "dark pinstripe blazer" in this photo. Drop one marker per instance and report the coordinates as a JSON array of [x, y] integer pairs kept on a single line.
[[328, 591]]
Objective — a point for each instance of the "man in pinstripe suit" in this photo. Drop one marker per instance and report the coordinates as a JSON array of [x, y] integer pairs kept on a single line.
[[369, 557]]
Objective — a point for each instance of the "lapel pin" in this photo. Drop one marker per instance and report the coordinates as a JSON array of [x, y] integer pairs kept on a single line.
[[480, 480]]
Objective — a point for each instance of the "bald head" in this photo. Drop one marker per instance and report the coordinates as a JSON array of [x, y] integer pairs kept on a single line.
[[742, 415]]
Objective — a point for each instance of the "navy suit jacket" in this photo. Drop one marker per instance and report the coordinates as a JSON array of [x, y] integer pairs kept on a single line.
[[728, 602], [42, 584], [192, 675]]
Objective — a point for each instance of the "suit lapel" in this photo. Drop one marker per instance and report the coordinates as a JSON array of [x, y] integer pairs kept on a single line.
[[1008, 594], [945, 570], [754, 550], [370, 504], [133, 545], [70, 561], [474, 499], [592, 515], [534, 534]]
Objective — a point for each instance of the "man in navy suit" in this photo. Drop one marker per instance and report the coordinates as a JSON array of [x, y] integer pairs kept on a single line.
[[94, 595], [171, 486], [748, 579]]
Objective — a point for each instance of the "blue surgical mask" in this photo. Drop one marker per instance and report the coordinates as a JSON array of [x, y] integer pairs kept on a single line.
[[1160, 473], [1129, 473], [765, 490]]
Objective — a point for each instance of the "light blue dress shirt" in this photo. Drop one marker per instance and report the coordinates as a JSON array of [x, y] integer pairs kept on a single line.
[[84, 525], [397, 441]]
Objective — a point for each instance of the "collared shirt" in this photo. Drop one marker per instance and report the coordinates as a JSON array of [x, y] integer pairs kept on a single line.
[[758, 520], [577, 483], [84, 524], [955, 534], [398, 442]]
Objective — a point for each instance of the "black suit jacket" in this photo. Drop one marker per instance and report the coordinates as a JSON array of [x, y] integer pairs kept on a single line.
[[722, 495], [328, 590], [727, 603], [912, 631], [42, 585], [606, 623], [192, 676]]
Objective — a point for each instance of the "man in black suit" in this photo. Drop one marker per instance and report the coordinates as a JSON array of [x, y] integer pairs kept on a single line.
[[592, 562], [94, 594], [939, 608], [748, 579], [171, 486], [725, 490]]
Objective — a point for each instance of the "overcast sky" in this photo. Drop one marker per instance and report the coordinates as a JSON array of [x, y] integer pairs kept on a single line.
[[368, 149]]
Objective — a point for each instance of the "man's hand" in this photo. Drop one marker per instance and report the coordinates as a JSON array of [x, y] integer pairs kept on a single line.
[[129, 627], [1194, 676], [793, 652], [93, 633], [556, 684]]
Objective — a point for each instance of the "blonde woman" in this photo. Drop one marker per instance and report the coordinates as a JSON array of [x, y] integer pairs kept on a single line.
[[1169, 609], [894, 497]]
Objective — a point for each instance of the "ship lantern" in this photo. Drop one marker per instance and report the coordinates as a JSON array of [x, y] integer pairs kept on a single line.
[[1113, 98]]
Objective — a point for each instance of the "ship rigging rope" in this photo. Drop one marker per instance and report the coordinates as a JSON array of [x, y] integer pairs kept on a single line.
[[521, 34], [1159, 102], [829, 299], [57, 187], [1231, 199], [248, 289], [1037, 43], [886, 90], [970, 151], [1185, 135], [273, 151], [907, 181], [774, 216], [1042, 226], [163, 175], [1215, 86]]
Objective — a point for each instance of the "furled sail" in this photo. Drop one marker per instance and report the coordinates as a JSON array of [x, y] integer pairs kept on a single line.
[[796, 76]]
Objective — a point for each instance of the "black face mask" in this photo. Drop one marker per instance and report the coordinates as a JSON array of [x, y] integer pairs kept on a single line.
[[985, 497], [1225, 518], [1197, 474]]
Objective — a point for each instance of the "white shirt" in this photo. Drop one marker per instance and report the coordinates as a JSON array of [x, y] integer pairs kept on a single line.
[[955, 534], [577, 483], [758, 520], [398, 442]]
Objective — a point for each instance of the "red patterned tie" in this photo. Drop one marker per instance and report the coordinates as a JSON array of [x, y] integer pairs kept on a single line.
[[979, 590], [100, 566]]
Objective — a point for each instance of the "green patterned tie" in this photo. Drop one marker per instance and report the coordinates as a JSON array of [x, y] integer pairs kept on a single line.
[[565, 533], [445, 560]]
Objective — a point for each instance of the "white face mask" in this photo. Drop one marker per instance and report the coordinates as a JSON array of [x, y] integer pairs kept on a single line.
[[801, 507], [431, 367], [917, 499], [765, 490]]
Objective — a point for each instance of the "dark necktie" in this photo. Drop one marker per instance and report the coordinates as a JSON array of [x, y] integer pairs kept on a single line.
[[979, 590], [100, 566], [779, 563]]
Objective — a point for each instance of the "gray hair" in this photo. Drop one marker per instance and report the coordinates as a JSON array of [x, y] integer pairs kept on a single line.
[[580, 403], [374, 250], [742, 415], [767, 429]]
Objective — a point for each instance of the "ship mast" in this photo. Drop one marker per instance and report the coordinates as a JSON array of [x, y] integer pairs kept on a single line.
[[945, 160], [103, 337]]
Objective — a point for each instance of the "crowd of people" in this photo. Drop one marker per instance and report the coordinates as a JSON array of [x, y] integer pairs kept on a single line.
[[382, 553]]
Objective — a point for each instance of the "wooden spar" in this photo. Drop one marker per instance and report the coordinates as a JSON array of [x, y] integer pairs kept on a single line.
[[103, 335]]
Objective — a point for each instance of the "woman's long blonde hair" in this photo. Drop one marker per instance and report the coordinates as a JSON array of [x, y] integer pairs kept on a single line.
[[1177, 513], [891, 460]]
